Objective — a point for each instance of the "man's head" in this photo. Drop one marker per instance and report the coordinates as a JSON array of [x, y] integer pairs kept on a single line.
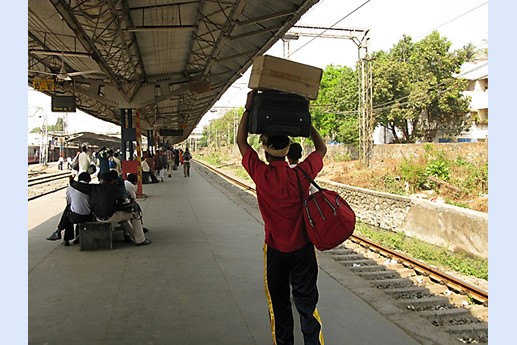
[[295, 153], [84, 177], [276, 146], [114, 174], [109, 177], [132, 178]]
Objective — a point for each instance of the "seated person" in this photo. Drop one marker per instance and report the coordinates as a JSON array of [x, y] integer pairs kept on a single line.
[[104, 198], [77, 210], [148, 157], [145, 172], [131, 183]]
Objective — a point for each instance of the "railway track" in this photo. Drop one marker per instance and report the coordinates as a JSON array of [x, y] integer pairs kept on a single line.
[[43, 184], [454, 308]]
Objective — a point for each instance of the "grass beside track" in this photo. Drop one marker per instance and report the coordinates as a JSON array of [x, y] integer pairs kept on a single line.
[[430, 254]]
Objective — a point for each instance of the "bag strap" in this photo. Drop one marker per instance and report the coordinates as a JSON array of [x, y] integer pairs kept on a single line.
[[299, 185], [309, 178]]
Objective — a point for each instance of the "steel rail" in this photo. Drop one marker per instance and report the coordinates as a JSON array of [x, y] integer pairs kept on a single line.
[[47, 178], [46, 193], [455, 284]]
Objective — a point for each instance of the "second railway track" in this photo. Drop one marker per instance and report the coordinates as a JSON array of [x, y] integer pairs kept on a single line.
[[455, 311], [44, 184]]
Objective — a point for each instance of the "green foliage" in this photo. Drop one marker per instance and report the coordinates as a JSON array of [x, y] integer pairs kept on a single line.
[[415, 174], [222, 131], [416, 95], [334, 113], [341, 157], [456, 203], [212, 158], [57, 127], [392, 184], [476, 179], [438, 169]]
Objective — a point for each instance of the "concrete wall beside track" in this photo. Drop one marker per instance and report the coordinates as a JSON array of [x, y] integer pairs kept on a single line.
[[451, 227]]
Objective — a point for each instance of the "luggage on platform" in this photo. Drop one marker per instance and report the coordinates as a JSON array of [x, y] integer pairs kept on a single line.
[[279, 113]]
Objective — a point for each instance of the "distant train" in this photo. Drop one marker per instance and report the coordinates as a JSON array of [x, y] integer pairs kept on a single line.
[[52, 154]]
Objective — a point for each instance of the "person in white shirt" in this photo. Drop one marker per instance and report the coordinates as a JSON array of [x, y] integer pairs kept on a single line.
[[131, 185], [84, 159], [60, 163], [77, 210]]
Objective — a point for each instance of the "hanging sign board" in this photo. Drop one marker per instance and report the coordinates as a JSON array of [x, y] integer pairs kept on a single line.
[[63, 104], [171, 132], [43, 85]]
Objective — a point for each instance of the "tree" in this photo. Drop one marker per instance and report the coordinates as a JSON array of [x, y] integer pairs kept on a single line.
[[222, 131], [416, 95], [472, 53], [334, 113], [58, 127]]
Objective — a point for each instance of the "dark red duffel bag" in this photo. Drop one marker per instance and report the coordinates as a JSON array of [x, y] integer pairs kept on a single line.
[[329, 219]]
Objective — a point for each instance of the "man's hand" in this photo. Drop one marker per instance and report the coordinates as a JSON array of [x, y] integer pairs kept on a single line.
[[242, 131], [249, 99]]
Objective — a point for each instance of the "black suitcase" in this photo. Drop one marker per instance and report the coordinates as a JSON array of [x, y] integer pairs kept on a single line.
[[280, 113]]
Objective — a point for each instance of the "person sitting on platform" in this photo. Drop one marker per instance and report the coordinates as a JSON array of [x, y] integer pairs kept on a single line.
[[131, 183], [77, 210], [104, 198], [150, 164]]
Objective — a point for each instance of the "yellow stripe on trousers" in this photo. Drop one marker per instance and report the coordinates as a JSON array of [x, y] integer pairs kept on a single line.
[[268, 296], [315, 313], [317, 317]]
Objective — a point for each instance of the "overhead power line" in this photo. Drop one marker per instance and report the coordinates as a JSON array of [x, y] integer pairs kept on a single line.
[[336, 23], [453, 19]]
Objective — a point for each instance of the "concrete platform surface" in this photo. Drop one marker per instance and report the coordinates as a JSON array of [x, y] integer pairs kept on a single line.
[[199, 282]]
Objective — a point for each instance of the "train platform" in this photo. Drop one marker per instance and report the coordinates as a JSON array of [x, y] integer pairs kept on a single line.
[[199, 282]]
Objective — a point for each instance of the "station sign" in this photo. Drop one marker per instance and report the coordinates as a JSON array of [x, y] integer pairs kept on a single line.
[[63, 104], [166, 132], [44, 85]]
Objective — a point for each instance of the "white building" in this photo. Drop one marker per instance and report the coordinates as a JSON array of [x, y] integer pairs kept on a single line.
[[477, 89], [477, 75]]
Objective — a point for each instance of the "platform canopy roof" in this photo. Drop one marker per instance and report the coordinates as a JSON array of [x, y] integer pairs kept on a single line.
[[170, 60]]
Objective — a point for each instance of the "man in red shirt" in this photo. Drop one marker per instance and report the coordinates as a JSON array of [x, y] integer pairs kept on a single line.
[[289, 257]]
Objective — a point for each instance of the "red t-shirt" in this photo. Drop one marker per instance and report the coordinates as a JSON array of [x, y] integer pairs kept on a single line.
[[278, 197]]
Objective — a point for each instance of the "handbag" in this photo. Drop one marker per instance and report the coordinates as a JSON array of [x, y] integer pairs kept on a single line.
[[131, 206], [75, 164], [329, 220]]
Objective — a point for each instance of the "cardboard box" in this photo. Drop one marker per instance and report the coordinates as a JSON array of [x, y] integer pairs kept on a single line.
[[273, 73]]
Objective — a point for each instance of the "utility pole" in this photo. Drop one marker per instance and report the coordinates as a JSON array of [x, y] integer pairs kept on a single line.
[[43, 147], [364, 73]]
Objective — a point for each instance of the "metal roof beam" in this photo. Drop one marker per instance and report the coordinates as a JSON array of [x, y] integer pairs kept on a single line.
[[267, 17]]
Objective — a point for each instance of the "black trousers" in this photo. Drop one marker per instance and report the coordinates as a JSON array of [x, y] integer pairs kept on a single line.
[[67, 221], [297, 270]]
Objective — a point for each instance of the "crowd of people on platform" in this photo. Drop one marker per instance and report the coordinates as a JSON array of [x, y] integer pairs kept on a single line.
[[103, 201]]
